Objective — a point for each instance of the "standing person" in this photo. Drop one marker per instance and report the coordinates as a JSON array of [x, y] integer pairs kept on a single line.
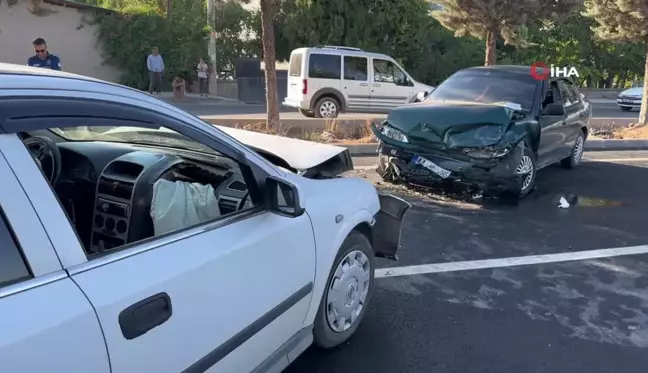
[[155, 66], [43, 58], [203, 77]]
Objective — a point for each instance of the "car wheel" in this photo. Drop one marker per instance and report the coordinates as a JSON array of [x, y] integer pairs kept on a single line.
[[327, 107], [574, 158], [526, 171], [625, 108], [307, 113], [347, 292]]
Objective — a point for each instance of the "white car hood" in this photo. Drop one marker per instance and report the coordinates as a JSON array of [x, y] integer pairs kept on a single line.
[[636, 91], [311, 159]]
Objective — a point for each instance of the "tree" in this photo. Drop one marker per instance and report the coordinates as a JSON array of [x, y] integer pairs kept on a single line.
[[236, 33], [268, 12], [490, 19], [623, 21]]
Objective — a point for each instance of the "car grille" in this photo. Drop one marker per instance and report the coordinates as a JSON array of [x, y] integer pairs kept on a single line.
[[625, 97]]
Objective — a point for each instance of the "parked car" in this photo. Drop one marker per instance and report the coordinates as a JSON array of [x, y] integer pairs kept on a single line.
[[491, 128], [326, 81], [166, 244], [630, 99]]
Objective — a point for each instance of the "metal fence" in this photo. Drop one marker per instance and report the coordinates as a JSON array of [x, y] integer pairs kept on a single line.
[[251, 90]]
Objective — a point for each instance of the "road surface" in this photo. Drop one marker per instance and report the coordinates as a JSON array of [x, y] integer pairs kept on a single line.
[[470, 311]]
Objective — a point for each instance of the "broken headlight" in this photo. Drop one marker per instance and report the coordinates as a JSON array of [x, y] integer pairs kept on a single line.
[[486, 153], [393, 133]]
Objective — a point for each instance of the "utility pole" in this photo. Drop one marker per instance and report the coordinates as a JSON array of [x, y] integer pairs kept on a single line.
[[211, 49]]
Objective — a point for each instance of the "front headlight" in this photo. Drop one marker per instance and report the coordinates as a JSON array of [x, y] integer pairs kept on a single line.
[[487, 154], [393, 133]]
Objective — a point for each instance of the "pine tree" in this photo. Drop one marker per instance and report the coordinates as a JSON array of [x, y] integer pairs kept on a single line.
[[490, 19], [623, 21]]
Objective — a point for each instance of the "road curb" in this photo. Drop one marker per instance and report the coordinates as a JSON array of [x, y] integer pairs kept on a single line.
[[590, 145]]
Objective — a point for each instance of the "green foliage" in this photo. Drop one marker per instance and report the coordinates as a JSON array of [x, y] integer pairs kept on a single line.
[[128, 35], [236, 33]]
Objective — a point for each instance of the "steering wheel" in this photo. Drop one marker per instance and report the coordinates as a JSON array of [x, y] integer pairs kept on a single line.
[[42, 148]]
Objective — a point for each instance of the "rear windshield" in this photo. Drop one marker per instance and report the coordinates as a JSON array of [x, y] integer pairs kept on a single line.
[[488, 87], [295, 64], [324, 66]]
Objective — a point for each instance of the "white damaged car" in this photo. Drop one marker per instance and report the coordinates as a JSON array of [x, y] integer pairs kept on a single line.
[[135, 237]]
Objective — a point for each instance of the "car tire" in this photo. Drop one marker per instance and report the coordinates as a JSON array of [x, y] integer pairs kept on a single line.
[[574, 158], [528, 160], [625, 108], [327, 107], [356, 290], [307, 113]]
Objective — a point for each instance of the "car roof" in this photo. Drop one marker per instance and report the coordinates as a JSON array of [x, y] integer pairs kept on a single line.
[[501, 68], [339, 51], [13, 77]]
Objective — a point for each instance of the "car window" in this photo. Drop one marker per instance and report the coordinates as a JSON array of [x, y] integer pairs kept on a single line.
[[324, 66], [13, 267], [569, 96], [487, 86], [553, 95], [295, 64], [387, 72], [164, 184], [355, 68]]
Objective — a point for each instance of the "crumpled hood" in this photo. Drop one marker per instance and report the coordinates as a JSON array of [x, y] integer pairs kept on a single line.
[[432, 121]]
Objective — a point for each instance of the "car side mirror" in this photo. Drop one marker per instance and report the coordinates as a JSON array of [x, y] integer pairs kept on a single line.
[[282, 197], [554, 109]]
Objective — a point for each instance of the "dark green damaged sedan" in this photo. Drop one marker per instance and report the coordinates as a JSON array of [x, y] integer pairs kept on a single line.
[[491, 128]]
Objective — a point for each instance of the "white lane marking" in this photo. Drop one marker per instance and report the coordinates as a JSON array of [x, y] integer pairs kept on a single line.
[[615, 159], [508, 262]]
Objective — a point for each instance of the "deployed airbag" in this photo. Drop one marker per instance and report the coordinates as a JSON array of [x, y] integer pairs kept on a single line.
[[180, 204]]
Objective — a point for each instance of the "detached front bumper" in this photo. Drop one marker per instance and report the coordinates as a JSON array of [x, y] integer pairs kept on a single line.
[[497, 174], [387, 225]]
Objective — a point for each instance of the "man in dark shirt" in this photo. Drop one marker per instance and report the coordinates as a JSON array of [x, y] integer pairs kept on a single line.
[[43, 58]]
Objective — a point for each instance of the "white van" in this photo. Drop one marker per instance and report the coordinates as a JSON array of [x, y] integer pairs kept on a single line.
[[371, 82]]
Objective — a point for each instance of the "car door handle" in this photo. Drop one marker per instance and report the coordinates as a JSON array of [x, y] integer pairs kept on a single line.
[[364, 84], [376, 85], [145, 315]]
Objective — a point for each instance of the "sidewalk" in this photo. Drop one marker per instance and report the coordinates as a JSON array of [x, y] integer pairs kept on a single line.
[[196, 99]]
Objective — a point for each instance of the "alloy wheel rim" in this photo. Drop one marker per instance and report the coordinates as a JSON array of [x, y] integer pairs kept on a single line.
[[348, 290], [525, 169], [328, 109]]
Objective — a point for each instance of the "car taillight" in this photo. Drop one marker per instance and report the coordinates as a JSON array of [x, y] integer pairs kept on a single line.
[[305, 87]]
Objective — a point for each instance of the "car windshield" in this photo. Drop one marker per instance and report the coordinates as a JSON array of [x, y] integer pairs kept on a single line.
[[487, 87], [135, 135]]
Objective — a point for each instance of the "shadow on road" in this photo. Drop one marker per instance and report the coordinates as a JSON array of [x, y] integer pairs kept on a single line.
[[558, 318]]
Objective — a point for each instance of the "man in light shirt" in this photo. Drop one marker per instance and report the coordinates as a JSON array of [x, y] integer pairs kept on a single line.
[[155, 66]]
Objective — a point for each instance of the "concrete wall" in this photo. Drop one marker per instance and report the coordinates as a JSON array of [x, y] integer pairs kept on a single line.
[[63, 29]]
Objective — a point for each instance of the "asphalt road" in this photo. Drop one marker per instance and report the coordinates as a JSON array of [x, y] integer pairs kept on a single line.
[[586, 316], [607, 109]]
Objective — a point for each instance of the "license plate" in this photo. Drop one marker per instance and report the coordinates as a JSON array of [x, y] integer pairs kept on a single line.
[[431, 166]]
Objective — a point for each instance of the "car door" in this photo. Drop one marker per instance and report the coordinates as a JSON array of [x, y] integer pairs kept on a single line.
[[221, 295], [47, 323], [355, 82], [574, 115], [551, 127], [390, 85]]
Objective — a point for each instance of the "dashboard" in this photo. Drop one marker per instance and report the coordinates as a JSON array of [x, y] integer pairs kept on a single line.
[[107, 188]]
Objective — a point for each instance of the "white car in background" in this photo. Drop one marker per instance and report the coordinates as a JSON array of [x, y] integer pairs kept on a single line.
[[167, 244], [630, 99], [326, 81]]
